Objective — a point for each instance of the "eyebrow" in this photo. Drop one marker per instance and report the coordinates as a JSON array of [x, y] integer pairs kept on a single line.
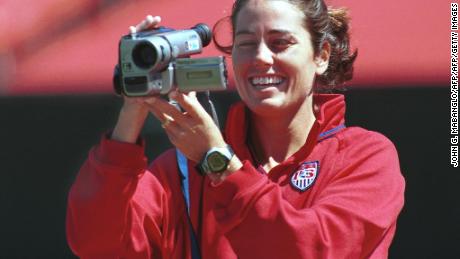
[[275, 31]]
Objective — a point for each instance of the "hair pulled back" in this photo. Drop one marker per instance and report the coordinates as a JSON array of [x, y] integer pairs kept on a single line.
[[324, 25]]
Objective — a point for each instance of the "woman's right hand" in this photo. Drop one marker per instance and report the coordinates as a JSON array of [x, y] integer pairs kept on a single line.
[[134, 111]]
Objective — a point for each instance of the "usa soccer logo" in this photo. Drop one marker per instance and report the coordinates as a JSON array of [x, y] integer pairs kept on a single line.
[[305, 176]]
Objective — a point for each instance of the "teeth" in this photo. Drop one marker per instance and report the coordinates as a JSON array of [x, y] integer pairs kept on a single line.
[[266, 80]]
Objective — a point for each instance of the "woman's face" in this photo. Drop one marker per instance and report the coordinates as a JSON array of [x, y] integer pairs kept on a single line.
[[273, 58]]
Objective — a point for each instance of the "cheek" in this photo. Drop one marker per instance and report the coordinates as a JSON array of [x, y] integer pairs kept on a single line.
[[242, 91], [240, 64], [237, 72], [237, 59], [301, 65]]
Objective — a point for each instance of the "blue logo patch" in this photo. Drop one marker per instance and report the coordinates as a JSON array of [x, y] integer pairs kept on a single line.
[[305, 176]]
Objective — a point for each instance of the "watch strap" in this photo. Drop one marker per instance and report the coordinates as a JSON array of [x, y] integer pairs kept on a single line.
[[226, 151]]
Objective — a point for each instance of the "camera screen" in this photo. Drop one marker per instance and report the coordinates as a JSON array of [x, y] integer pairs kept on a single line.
[[199, 74]]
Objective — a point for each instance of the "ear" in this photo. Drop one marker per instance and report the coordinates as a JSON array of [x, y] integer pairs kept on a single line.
[[322, 59]]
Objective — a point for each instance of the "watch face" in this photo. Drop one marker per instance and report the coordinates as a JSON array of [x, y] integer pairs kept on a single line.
[[217, 162]]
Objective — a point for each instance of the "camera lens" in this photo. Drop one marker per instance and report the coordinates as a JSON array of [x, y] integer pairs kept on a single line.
[[144, 55]]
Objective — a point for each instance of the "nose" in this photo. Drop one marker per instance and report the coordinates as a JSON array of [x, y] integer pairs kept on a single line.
[[264, 56]]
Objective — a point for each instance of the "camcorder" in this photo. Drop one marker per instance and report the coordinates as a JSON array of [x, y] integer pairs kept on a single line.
[[158, 61]]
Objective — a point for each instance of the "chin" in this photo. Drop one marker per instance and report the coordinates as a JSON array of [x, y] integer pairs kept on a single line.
[[266, 107]]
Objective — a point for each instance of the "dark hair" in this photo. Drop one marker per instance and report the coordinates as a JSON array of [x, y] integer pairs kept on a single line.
[[324, 26]]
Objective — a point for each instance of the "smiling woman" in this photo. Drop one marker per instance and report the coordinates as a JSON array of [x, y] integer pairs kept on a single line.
[[268, 46], [288, 180]]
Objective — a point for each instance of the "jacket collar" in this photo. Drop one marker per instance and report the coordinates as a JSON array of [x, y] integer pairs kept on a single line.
[[330, 119]]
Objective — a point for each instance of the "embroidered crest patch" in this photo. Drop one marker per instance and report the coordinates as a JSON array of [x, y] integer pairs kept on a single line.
[[305, 176]]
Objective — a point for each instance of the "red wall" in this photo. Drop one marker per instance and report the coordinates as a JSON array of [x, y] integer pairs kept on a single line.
[[58, 50]]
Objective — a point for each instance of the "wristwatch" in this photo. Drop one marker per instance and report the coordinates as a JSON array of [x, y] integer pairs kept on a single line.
[[216, 160]]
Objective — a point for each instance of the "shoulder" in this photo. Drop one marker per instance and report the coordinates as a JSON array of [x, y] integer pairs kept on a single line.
[[368, 160], [357, 138], [367, 169], [367, 153]]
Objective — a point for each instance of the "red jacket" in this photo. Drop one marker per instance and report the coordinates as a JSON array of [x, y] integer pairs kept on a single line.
[[337, 197]]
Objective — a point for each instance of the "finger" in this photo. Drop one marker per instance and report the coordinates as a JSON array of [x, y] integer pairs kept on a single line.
[[161, 106], [161, 117], [167, 122], [149, 22], [177, 134], [189, 103], [138, 100], [174, 131], [143, 99]]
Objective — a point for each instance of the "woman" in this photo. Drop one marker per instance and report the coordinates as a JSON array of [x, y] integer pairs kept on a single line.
[[299, 184]]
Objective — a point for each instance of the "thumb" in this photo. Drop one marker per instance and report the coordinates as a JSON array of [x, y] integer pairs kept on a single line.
[[189, 103]]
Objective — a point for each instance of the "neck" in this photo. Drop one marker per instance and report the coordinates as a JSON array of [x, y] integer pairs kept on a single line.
[[275, 138]]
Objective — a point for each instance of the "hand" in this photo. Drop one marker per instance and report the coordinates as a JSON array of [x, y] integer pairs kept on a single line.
[[193, 132], [134, 111], [150, 22]]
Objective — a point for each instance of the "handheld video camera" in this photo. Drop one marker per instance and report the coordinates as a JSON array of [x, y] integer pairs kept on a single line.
[[157, 62]]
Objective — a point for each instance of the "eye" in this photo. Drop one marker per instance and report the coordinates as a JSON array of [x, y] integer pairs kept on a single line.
[[246, 44], [281, 44]]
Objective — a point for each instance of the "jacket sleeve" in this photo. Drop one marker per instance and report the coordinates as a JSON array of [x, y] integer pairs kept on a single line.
[[108, 216], [353, 216]]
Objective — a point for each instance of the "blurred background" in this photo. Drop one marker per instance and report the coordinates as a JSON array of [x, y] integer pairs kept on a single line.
[[56, 99]]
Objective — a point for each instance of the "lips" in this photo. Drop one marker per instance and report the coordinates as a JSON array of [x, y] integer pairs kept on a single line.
[[261, 82]]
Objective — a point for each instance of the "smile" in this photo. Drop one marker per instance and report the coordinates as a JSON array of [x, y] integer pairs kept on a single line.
[[265, 81]]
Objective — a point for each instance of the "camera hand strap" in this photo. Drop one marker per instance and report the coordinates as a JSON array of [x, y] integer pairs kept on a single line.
[[205, 99]]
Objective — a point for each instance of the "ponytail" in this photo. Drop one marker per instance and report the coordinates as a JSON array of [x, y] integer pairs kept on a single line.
[[340, 68]]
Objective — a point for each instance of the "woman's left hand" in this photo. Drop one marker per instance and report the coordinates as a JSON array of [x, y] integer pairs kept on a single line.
[[193, 131]]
